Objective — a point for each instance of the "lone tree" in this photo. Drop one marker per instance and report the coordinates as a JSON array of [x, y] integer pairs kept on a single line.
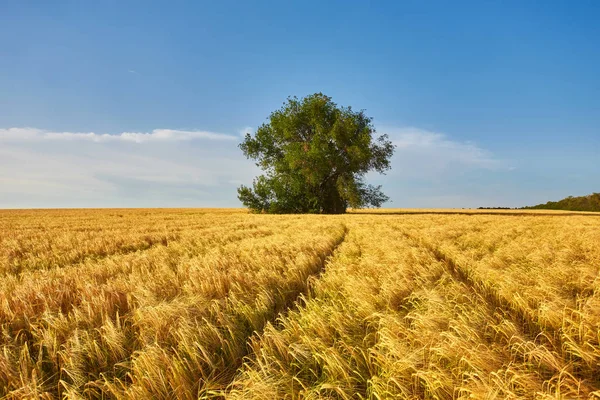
[[315, 156]]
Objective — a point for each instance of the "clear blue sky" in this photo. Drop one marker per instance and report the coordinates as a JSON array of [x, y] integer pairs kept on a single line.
[[490, 103]]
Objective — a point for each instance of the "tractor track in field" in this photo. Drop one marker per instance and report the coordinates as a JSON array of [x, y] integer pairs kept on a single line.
[[524, 319], [146, 245], [291, 305], [324, 260]]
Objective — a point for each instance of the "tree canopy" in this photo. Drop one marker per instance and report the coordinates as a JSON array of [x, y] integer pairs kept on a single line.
[[315, 156]]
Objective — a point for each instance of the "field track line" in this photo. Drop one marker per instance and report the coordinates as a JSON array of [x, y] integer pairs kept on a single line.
[[97, 257], [289, 306], [149, 245], [522, 318], [322, 264]]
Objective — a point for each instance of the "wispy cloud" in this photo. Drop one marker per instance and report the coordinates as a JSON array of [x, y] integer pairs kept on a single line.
[[433, 169], [440, 145], [421, 152], [157, 135], [161, 168], [133, 71]]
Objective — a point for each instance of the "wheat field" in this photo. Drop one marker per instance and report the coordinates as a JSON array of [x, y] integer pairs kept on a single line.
[[215, 303]]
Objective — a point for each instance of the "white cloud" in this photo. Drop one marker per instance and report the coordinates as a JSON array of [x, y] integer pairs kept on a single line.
[[431, 169], [424, 154], [157, 135], [40, 168], [439, 145]]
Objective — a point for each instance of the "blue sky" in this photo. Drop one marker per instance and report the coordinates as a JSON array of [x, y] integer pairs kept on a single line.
[[140, 104]]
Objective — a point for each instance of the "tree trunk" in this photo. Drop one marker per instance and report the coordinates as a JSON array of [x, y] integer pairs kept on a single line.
[[332, 201]]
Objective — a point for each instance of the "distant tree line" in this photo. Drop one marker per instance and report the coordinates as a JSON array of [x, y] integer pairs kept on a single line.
[[590, 202]]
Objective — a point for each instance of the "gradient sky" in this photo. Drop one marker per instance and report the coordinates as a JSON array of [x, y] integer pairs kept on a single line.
[[141, 104]]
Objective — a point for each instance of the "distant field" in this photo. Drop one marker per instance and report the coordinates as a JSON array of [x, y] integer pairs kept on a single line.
[[469, 211], [214, 303]]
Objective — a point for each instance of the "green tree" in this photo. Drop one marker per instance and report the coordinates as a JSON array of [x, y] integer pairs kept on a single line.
[[315, 156]]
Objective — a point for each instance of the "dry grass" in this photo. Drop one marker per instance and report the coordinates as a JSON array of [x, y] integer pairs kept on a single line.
[[213, 303]]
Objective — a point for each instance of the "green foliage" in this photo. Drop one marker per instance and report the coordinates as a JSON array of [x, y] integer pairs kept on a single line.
[[590, 202], [315, 156]]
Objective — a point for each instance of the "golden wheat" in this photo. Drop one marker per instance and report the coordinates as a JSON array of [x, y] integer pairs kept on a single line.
[[220, 303]]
